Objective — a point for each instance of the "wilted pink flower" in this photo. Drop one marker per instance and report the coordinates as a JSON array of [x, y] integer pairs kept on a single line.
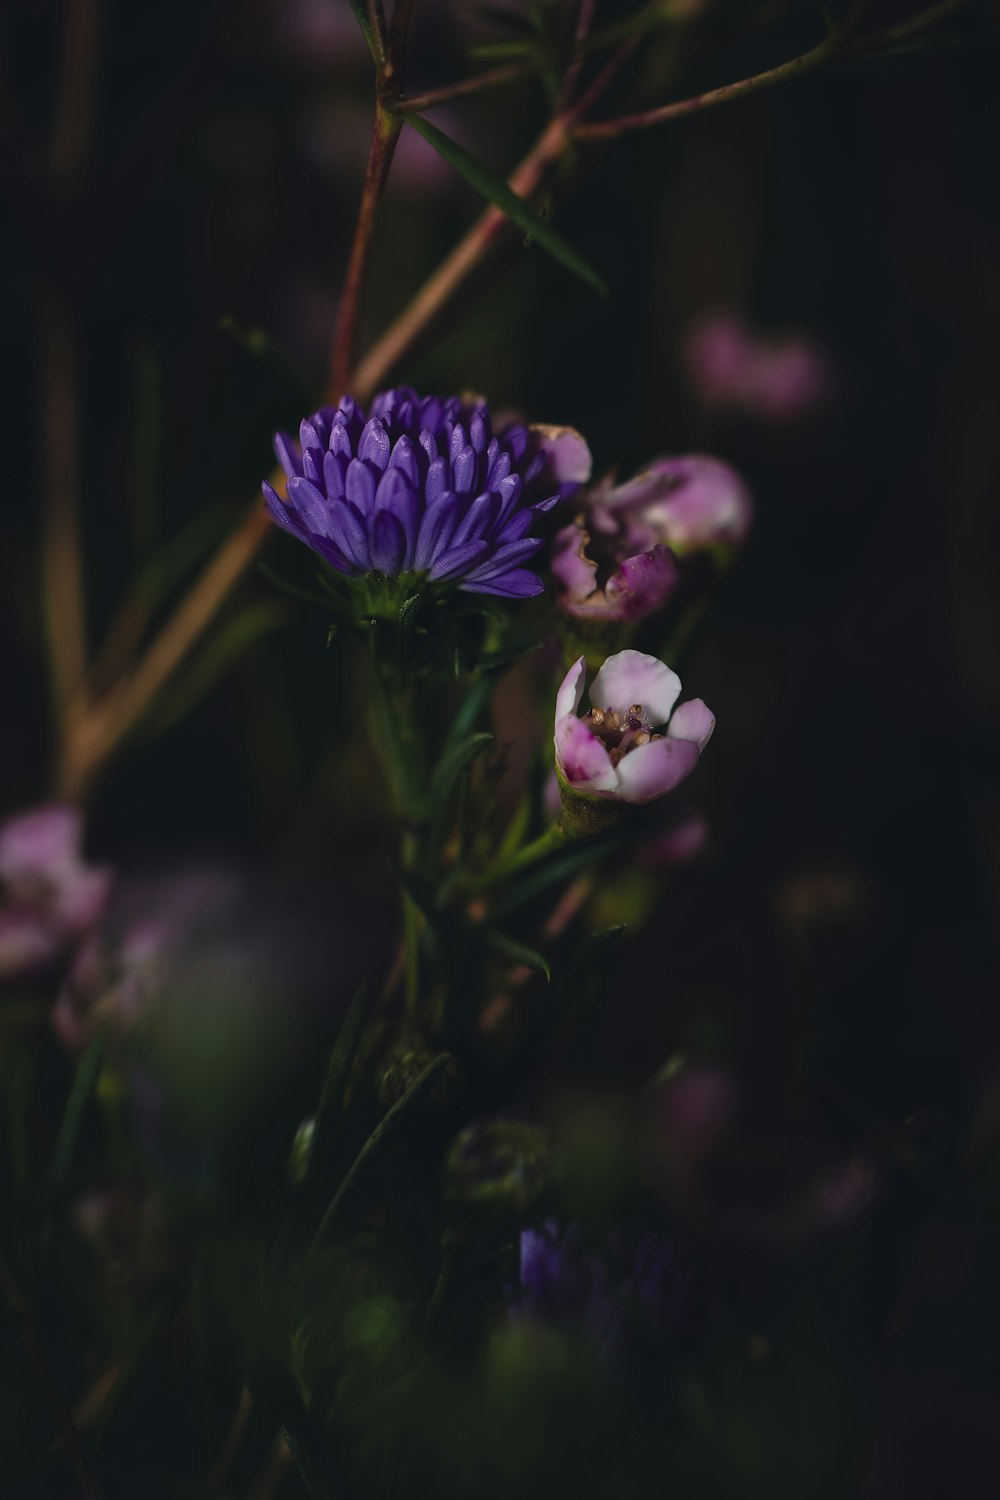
[[632, 746], [773, 378], [685, 503], [594, 581], [53, 897]]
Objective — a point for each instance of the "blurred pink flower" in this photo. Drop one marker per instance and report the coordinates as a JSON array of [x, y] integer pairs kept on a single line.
[[775, 378], [691, 1110], [678, 843], [53, 897]]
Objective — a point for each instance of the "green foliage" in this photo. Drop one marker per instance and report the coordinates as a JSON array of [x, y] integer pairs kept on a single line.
[[496, 191]]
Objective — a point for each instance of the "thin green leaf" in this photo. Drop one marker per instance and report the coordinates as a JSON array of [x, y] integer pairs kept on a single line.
[[559, 867], [450, 767], [293, 590], [259, 345], [382, 1137], [597, 945], [496, 191], [361, 15], [305, 1461], [331, 1102], [449, 772], [519, 952], [492, 661], [420, 893], [88, 1071]]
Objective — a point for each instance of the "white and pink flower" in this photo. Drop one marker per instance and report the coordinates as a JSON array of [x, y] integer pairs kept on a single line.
[[633, 745]]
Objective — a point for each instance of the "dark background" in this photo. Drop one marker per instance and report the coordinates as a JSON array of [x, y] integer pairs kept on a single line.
[[837, 947]]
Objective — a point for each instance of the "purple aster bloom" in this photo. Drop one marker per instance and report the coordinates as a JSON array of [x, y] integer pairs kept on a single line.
[[599, 1289], [53, 897], [423, 487], [615, 752]]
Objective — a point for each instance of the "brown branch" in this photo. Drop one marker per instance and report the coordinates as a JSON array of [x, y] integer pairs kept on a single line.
[[611, 130], [506, 73], [917, 23], [74, 118], [385, 133], [584, 21], [98, 728]]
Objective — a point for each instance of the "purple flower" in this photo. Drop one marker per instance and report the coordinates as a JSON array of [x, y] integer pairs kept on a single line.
[[424, 488], [599, 1290], [775, 379], [53, 897], [685, 503], [615, 752]]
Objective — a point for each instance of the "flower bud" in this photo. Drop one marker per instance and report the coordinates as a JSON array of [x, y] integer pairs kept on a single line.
[[498, 1166]]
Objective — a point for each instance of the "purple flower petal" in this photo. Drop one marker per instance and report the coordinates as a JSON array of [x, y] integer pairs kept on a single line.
[[506, 558], [478, 521], [374, 447], [360, 485], [312, 465], [633, 677], [519, 583], [436, 529], [340, 441], [308, 501], [404, 458], [347, 530], [286, 454], [388, 542], [333, 477], [283, 514], [465, 469], [457, 560], [438, 479]]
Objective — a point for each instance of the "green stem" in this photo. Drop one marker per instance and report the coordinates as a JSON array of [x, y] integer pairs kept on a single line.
[[403, 752], [547, 843]]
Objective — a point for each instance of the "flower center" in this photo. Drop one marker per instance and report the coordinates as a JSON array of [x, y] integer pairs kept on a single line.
[[621, 731]]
